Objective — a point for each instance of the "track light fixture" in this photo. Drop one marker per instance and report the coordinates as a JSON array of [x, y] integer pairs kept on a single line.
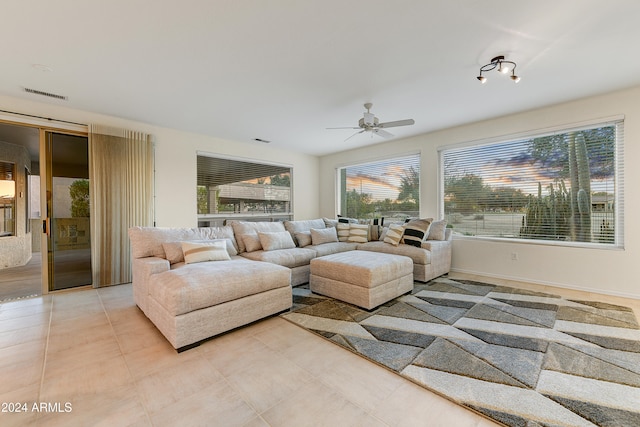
[[502, 66]]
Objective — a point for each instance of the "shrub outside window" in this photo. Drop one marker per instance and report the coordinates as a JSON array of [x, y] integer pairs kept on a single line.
[[564, 187]]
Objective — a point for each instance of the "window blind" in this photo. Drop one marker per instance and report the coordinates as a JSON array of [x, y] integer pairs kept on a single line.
[[388, 188], [565, 186]]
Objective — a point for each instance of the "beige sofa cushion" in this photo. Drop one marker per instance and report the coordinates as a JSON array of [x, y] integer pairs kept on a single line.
[[147, 241], [212, 283], [242, 228], [276, 240], [173, 250], [290, 258], [323, 235], [333, 248], [418, 255]]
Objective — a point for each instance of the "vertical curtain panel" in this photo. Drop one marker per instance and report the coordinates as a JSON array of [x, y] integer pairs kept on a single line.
[[121, 174]]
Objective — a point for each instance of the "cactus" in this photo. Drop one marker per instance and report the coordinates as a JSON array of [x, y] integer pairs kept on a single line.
[[580, 177], [546, 217]]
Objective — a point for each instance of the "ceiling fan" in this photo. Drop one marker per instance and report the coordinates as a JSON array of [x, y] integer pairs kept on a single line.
[[370, 123]]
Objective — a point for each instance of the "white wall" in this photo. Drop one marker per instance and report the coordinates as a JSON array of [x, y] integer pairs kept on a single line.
[[615, 272], [176, 161]]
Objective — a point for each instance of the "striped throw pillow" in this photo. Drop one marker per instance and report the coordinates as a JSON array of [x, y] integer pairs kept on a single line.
[[358, 233], [343, 231], [201, 252], [416, 231], [394, 234]]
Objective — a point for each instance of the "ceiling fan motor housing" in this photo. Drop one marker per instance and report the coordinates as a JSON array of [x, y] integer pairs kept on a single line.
[[368, 120]]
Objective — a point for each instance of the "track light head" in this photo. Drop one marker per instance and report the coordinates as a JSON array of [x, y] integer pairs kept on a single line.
[[482, 79], [515, 78]]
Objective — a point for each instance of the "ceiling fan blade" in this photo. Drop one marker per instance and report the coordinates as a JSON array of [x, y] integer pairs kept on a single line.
[[396, 123], [382, 133], [349, 127], [357, 133]]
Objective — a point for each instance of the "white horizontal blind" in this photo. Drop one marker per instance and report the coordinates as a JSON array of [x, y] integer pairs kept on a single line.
[[387, 188], [563, 187]]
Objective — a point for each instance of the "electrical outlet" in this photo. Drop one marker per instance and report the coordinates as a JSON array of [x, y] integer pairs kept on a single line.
[[514, 256]]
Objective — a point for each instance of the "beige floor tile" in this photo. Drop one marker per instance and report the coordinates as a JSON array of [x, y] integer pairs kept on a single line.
[[118, 407], [17, 311], [26, 395], [256, 422], [217, 404], [268, 379], [21, 373], [230, 356], [317, 405], [176, 382], [78, 356], [411, 405], [136, 337], [67, 384], [37, 319], [74, 333], [29, 352], [19, 336], [282, 335], [365, 384], [156, 358]]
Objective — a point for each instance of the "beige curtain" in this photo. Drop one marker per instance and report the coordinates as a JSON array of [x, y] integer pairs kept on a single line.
[[121, 179]]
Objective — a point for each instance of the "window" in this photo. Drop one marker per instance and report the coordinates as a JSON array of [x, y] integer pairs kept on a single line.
[[7, 199], [241, 189], [564, 187], [383, 189]]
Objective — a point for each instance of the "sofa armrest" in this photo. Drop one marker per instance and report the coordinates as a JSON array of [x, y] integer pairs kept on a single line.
[[143, 269]]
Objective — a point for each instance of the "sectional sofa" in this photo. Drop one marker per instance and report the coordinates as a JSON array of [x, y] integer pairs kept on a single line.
[[252, 270]]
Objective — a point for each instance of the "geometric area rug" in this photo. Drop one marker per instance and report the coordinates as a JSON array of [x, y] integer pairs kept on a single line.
[[519, 357]]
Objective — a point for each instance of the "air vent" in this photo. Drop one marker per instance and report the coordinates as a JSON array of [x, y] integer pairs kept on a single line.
[[50, 95]]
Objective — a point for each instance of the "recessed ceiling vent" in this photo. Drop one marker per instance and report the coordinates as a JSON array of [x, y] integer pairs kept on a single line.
[[50, 95]]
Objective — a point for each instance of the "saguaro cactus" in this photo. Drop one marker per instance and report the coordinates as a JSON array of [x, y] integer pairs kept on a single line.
[[580, 178]]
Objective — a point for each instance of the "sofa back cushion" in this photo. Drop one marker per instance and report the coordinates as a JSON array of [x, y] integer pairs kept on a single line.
[[272, 241], [321, 236], [242, 228], [294, 227], [147, 241]]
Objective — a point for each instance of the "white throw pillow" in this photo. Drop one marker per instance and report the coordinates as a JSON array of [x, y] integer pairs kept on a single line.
[[320, 236], [174, 254], [272, 241], [394, 234], [438, 229], [201, 252]]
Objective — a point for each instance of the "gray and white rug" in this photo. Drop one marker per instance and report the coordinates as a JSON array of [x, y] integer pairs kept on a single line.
[[521, 358]]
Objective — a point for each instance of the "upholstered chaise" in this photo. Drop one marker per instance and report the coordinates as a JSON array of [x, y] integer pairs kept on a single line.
[[189, 302]]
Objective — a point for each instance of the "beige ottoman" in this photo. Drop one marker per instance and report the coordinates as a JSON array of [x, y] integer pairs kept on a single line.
[[363, 278]]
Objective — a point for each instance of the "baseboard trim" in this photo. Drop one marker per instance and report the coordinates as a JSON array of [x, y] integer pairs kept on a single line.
[[543, 283]]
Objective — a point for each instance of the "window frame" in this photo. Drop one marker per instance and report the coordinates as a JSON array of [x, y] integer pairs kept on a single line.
[[219, 219], [389, 158], [617, 121]]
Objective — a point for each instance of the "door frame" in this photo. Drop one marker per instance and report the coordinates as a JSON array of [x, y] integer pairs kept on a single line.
[[44, 125]]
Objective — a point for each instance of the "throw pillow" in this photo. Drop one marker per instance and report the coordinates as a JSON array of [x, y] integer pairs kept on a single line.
[[415, 231], [303, 238], [358, 233], [320, 236], [343, 231], [174, 254], [394, 234], [330, 222], [201, 252], [272, 241], [251, 242], [437, 230]]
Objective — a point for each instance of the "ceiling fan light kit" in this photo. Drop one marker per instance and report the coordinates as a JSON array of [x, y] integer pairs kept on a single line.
[[370, 123], [502, 66]]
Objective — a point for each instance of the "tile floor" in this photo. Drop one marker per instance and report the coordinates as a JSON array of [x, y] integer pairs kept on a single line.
[[93, 358]]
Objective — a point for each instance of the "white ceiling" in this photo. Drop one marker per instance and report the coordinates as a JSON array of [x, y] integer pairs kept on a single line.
[[285, 70]]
